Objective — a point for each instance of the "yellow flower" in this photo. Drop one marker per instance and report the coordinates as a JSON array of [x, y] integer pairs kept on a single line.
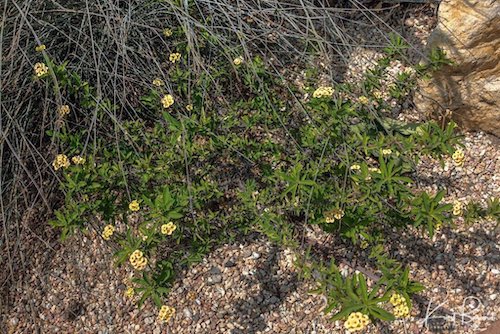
[[134, 205], [78, 160], [167, 32], [374, 170], [158, 82], [141, 264], [323, 91], [136, 255], [168, 229], [167, 101], [63, 110], [129, 293], [189, 107], [457, 208], [175, 57], [397, 299], [40, 69], [61, 160], [338, 213], [40, 48], [386, 151], [238, 61], [331, 215], [458, 158], [401, 311], [166, 313], [356, 321], [355, 167], [377, 94], [137, 260], [363, 100], [108, 232]]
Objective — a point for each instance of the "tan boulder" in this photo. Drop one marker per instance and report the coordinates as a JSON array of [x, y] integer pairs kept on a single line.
[[469, 32]]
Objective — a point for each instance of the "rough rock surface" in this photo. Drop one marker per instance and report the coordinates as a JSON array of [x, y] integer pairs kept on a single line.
[[469, 32]]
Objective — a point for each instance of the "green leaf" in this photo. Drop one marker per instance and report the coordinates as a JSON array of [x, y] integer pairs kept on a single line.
[[381, 314], [345, 312], [156, 299]]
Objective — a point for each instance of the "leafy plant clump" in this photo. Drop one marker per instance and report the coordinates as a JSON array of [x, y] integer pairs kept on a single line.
[[210, 157]]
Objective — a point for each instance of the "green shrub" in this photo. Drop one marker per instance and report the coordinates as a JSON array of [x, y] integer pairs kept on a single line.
[[197, 164]]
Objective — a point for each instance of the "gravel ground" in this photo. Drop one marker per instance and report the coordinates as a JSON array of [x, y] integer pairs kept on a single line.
[[252, 286]]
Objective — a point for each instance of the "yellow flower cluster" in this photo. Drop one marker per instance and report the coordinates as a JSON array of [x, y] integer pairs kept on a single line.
[[40, 48], [167, 32], [332, 215], [134, 205], [355, 167], [374, 169], [238, 61], [458, 158], [78, 160], [323, 91], [63, 110], [401, 309], [175, 57], [108, 232], [457, 208], [397, 299], [363, 100], [386, 151], [158, 82], [41, 69], [137, 260], [168, 229], [356, 321], [166, 312], [189, 107], [61, 160], [129, 293], [167, 101], [377, 94]]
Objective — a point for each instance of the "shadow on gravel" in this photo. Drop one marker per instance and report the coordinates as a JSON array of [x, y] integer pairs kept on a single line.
[[274, 288], [451, 253]]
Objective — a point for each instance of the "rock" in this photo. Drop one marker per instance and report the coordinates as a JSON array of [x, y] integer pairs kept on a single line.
[[187, 313], [246, 253], [229, 263], [469, 33], [215, 279], [215, 270]]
